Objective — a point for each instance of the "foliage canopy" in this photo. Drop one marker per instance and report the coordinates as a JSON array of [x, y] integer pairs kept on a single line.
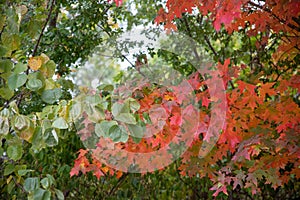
[[52, 129]]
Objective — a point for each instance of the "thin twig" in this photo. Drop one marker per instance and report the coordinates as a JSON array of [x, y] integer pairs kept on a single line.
[[210, 46], [189, 33], [132, 65]]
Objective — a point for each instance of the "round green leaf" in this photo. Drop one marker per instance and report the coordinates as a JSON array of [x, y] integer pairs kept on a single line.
[[9, 169], [48, 69], [102, 129], [34, 84], [6, 93], [136, 131], [75, 111], [134, 105], [40, 194], [20, 67], [45, 183], [118, 134], [16, 80], [5, 65], [20, 122], [37, 139], [14, 152], [50, 137], [117, 108], [50, 96], [126, 118], [60, 123], [31, 184]]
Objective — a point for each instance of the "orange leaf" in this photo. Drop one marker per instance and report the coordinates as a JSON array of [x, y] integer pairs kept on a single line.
[[35, 63]]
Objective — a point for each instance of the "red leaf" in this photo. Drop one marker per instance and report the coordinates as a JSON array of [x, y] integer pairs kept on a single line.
[[176, 120]]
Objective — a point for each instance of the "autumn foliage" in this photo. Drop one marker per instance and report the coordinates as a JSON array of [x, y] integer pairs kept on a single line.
[[259, 141]]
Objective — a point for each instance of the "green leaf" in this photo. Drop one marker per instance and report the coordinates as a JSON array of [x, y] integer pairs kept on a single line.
[[11, 41], [4, 52], [136, 131], [48, 69], [20, 122], [5, 66], [14, 152], [37, 139], [20, 67], [106, 87], [50, 179], [94, 112], [126, 118], [51, 96], [34, 84], [14, 107], [2, 21], [60, 123], [118, 134], [118, 108], [31, 184], [136, 140], [6, 93], [75, 111], [50, 137], [102, 129], [23, 172], [9, 169], [59, 194], [40, 194], [133, 104], [4, 125], [10, 187], [45, 183], [16, 80]]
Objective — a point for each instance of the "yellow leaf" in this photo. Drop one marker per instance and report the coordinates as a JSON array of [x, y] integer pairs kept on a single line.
[[35, 62], [44, 58], [9, 179]]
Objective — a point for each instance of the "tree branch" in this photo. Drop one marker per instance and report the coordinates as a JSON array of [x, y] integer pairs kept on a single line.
[[210, 46], [189, 33], [43, 29]]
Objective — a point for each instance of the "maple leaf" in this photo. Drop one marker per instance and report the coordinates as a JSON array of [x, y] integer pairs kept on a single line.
[[81, 164], [205, 101], [176, 120], [267, 88], [238, 180], [231, 137], [241, 154], [226, 13], [219, 188]]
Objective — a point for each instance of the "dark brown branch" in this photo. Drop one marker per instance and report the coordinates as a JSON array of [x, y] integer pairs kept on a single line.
[[43, 29], [210, 46]]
